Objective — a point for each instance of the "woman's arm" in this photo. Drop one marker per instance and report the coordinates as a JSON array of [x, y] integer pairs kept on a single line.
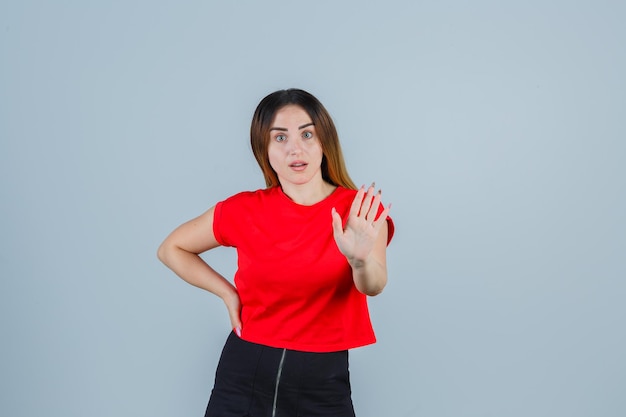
[[363, 241], [180, 252], [370, 274]]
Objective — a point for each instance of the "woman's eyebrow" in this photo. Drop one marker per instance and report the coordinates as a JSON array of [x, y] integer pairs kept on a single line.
[[283, 129]]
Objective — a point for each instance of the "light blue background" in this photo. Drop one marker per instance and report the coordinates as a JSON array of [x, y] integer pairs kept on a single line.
[[495, 128]]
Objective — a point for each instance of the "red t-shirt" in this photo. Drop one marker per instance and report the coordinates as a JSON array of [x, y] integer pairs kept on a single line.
[[295, 286]]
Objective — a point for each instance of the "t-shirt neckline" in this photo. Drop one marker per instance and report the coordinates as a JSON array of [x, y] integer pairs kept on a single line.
[[328, 198]]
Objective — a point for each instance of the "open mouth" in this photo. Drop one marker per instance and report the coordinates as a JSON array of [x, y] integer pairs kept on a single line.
[[298, 165]]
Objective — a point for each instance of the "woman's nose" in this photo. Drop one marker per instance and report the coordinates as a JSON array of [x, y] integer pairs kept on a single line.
[[295, 147]]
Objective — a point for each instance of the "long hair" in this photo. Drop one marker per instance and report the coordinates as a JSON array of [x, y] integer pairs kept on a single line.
[[333, 165]]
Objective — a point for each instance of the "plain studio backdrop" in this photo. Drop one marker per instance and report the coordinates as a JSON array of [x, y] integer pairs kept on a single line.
[[496, 130]]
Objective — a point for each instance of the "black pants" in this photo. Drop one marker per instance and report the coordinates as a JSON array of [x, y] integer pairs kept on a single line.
[[259, 381]]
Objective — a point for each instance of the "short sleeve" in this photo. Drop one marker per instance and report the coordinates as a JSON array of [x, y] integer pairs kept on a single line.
[[391, 228], [218, 224], [228, 227]]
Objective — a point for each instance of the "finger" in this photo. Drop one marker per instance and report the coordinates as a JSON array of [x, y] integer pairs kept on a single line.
[[366, 203], [234, 314], [337, 223], [356, 203], [235, 322], [382, 219], [373, 210]]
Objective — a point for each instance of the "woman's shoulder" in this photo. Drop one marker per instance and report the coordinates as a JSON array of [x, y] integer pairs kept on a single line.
[[251, 197], [343, 193], [274, 196]]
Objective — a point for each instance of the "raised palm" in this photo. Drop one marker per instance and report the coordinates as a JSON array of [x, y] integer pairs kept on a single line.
[[356, 240]]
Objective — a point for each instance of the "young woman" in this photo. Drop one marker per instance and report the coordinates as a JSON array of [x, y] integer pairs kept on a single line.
[[311, 247]]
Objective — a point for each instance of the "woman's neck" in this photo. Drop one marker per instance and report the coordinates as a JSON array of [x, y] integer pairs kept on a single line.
[[308, 194]]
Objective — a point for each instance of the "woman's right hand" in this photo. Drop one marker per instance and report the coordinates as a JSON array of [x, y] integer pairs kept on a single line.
[[181, 250], [233, 305]]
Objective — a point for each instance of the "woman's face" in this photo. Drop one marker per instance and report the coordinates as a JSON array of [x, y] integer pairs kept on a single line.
[[294, 150]]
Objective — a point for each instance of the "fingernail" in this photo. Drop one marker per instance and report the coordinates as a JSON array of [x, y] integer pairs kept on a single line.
[[373, 185], [238, 331]]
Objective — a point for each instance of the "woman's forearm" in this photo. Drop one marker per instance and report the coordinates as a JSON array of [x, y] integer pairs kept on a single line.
[[370, 276], [192, 269]]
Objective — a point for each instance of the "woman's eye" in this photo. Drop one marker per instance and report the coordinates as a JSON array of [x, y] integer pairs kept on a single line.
[[307, 135], [281, 138]]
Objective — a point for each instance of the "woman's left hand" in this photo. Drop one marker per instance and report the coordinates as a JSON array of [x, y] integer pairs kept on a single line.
[[356, 240]]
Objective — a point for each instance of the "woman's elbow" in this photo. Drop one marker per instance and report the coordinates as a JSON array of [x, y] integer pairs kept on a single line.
[[162, 252], [373, 292], [373, 289]]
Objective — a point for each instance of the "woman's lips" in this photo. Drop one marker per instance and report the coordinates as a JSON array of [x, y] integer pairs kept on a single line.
[[298, 165]]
